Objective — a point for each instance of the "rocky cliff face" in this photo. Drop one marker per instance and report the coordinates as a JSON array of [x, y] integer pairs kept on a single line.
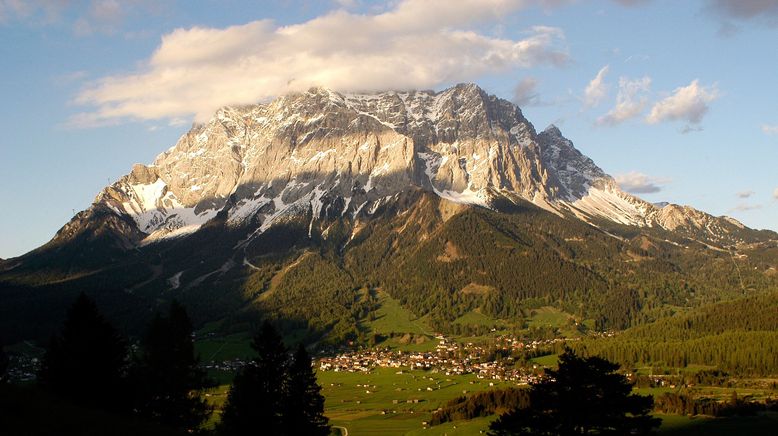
[[326, 155]]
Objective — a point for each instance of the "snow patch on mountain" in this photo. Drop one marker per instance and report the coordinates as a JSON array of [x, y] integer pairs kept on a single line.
[[157, 211], [610, 204], [432, 164]]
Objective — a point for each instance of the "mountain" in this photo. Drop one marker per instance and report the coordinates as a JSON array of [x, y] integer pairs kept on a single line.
[[329, 154], [352, 186]]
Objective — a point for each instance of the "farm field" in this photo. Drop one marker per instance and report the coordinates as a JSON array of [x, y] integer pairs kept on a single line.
[[219, 348], [365, 405], [349, 405], [763, 424], [391, 401], [550, 360]]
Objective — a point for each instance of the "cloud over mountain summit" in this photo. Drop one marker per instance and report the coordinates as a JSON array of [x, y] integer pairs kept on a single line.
[[415, 45]]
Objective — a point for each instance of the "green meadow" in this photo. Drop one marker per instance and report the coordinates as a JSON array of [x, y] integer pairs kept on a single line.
[[389, 401], [394, 401], [391, 317]]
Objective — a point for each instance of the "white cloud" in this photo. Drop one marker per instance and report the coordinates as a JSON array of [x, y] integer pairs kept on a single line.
[[73, 76], [85, 17], [745, 9], [745, 194], [596, 90], [347, 3], [764, 10], [690, 128], [630, 101], [103, 16], [639, 183], [745, 207], [769, 129], [37, 11], [525, 93], [637, 58], [417, 44], [775, 194], [631, 2], [174, 122], [88, 121], [687, 103]]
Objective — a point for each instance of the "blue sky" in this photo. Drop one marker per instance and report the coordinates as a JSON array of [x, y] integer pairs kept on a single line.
[[684, 109]]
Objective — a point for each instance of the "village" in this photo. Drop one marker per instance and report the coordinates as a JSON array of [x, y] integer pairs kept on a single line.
[[495, 362]]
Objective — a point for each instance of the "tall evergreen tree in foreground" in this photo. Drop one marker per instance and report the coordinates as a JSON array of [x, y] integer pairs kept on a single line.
[[168, 375], [584, 396], [255, 401], [303, 411], [274, 394], [88, 362]]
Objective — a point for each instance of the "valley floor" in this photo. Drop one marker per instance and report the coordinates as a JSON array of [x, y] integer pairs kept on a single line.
[[389, 401]]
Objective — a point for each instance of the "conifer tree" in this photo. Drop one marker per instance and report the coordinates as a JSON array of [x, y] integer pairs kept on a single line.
[[584, 396], [169, 374], [255, 401], [304, 406], [88, 362]]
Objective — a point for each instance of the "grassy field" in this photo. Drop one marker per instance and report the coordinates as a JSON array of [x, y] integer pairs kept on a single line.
[[218, 348], [475, 317], [391, 317], [390, 401], [348, 404], [548, 316], [550, 360], [763, 424], [410, 333], [377, 404]]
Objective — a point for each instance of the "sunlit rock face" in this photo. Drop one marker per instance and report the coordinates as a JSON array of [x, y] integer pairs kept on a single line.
[[323, 155]]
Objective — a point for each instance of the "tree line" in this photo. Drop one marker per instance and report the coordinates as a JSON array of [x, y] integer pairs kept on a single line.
[[681, 403], [738, 336], [91, 364], [481, 404], [737, 352]]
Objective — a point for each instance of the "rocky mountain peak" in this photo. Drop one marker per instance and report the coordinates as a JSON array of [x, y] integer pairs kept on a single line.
[[330, 155], [575, 173], [552, 130]]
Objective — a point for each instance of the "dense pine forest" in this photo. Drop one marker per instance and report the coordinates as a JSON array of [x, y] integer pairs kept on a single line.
[[739, 336]]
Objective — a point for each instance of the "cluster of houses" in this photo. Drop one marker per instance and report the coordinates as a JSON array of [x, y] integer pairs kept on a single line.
[[23, 368], [231, 365], [449, 358]]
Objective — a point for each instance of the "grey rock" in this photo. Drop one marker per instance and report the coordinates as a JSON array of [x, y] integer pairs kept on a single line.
[[329, 154]]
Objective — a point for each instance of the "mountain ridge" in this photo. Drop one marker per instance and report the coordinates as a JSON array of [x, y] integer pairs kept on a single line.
[[320, 150]]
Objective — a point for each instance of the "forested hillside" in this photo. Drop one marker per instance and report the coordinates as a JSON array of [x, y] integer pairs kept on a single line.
[[438, 259], [739, 336]]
